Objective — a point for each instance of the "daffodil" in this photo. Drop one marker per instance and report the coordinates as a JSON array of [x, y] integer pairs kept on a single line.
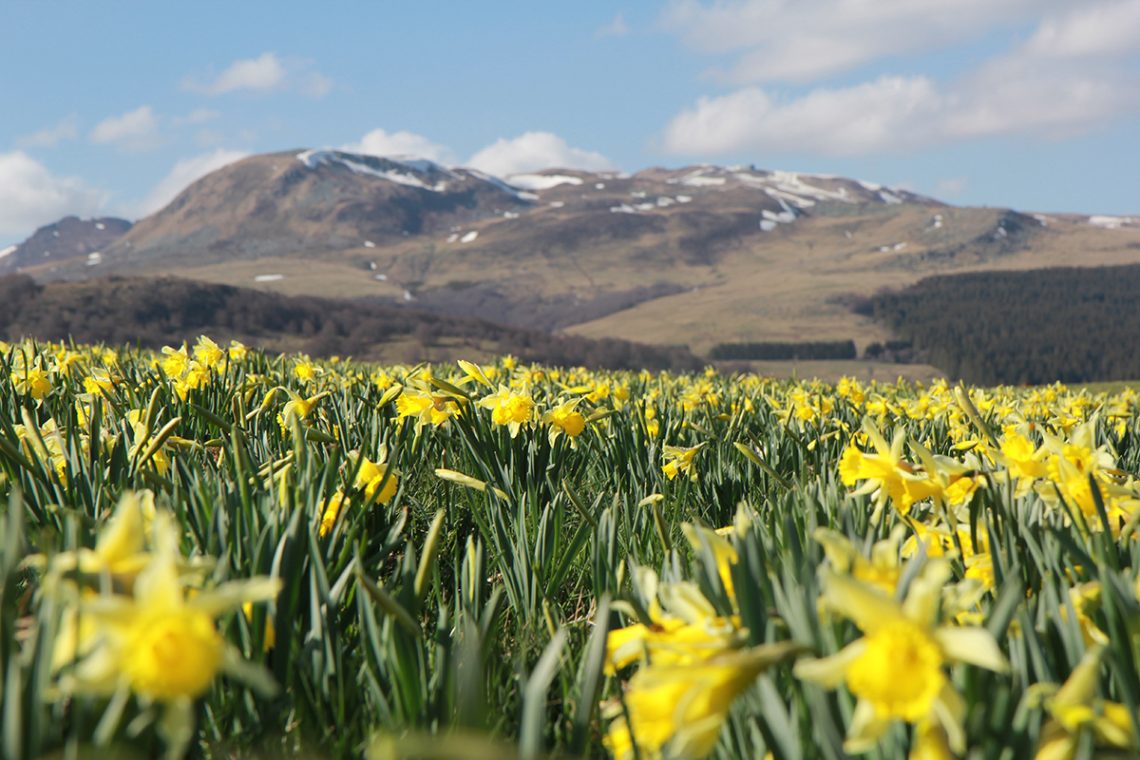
[[565, 419], [176, 363], [330, 510], [122, 548], [885, 474], [237, 351], [47, 444], [196, 377], [208, 353], [305, 370], [684, 627], [882, 570], [723, 551], [141, 441], [1074, 708], [32, 380], [474, 372], [677, 711], [509, 408], [297, 408], [160, 642], [426, 407], [378, 480], [1024, 461], [680, 460], [693, 668], [897, 669]]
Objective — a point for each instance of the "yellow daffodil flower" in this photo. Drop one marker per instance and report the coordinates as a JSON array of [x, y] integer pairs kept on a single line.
[[896, 670]]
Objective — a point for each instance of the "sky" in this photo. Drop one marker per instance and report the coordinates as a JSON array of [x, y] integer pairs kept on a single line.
[[112, 108]]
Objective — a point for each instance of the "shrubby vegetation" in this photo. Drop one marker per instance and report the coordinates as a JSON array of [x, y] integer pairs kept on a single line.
[[1036, 326], [153, 312]]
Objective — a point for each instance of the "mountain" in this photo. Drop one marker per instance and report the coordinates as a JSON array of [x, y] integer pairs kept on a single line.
[[70, 241], [700, 256], [310, 203]]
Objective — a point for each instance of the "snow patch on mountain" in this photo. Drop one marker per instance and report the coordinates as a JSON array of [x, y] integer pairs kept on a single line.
[[542, 181], [402, 170], [501, 185], [702, 180], [793, 184], [1112, 222], [769, 219]]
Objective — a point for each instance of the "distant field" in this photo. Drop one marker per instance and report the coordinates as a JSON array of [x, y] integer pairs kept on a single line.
[[831, 371]]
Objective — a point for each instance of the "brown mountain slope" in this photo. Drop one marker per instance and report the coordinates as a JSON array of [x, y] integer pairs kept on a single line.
[[308, 203], [699, 255], [71, 240]]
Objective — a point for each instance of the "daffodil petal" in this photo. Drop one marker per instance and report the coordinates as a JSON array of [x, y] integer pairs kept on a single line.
[[949, 710], [868, 607], [924, 597], [865, 729], [234, 594], [974, 645], [829, 672]]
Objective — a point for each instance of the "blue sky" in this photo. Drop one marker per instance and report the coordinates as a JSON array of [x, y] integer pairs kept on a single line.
[[111, 108]]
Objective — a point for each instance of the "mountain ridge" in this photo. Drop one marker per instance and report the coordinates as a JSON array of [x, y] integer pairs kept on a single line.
[[698, 255]]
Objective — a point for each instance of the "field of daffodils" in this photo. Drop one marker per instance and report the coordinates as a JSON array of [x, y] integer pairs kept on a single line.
[[212, 552]]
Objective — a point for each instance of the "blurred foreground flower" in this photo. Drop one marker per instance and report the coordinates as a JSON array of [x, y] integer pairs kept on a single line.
[[677, 711], [1075, 708], [896, 669], [159, 641]]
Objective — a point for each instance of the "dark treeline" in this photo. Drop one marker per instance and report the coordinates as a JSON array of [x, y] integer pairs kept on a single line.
[[835, 349], [164, 311], [1036, 326]]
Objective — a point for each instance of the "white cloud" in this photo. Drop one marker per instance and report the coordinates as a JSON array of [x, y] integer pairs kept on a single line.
[[888, 113], [614, 28], [208, 138], [1089, 30], [810, 39], [379, 142], [198, 116], [950, 187], [314, 85], [49, 137], [265, 73], [31, 196], [182, 174], [532, 151], [1058, 83], [135, 130], [1048, 104]]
